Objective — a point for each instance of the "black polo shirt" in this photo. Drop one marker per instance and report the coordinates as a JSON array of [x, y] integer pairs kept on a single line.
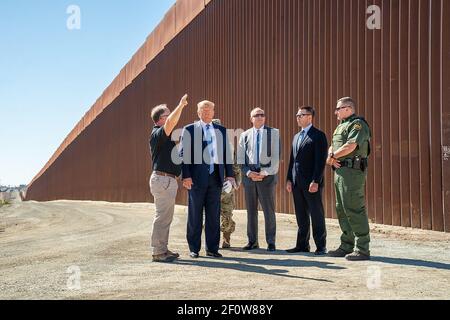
[[161, 148]]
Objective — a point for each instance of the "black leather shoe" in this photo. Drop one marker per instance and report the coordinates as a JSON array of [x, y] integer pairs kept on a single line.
[[251, 246], [194, 255], [213, 254], [338, 253], [321, 252], [271, 247], [357, 256], [296, 250]]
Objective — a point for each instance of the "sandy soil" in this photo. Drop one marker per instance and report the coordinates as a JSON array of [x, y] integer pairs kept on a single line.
[[44, 245]]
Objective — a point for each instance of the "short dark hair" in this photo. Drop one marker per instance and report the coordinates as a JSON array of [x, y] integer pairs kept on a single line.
[[309, 109], [158, 111]]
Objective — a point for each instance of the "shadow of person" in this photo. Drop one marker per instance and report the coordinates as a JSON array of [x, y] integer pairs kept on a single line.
[[412, 262], [286, 263], [244, 268], [260, 251], [264, 252]]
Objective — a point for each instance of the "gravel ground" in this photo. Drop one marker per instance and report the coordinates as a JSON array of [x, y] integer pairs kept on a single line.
[[99, 250]]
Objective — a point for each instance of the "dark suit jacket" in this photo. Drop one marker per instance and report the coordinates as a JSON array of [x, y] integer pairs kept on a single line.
[[192, 150], [307, 163]]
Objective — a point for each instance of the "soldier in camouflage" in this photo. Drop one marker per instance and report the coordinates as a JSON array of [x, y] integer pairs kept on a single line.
[[348, 157], [228, 204]]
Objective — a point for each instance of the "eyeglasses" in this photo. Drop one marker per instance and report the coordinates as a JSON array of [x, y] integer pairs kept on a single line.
[[340, 108], [301, 115], [259, 115]]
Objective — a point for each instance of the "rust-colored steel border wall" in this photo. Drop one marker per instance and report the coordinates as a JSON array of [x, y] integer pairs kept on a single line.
[[279, 54]]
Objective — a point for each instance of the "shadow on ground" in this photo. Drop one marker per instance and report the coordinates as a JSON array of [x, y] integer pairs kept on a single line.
[[412, 262], [259, 266], [388, 260]]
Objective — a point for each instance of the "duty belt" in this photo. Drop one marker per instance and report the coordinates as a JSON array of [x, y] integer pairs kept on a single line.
[[357, 163]]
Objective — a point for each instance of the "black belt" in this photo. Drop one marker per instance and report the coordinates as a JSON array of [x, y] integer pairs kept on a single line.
[[357, 163]]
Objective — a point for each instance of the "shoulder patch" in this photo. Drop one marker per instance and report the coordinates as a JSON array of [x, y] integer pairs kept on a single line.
[[357, 127]]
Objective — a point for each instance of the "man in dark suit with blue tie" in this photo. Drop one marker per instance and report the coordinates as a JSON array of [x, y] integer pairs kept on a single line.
[[305, 180], [207, 163]]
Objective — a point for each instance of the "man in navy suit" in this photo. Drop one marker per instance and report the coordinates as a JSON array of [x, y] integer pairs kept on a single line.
[[207, 163], [305, 181]]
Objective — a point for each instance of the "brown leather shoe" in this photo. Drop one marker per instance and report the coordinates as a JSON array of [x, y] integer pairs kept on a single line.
[[174, 254], [226, 241], [163, 258]]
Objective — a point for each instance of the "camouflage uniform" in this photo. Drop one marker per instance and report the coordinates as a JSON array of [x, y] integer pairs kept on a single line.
[[228, 204]]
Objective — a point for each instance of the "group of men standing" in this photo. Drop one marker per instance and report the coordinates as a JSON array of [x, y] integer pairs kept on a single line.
[[211, 172]]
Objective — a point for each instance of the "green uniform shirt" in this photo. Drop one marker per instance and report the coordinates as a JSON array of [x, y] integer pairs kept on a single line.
[[352, 130]]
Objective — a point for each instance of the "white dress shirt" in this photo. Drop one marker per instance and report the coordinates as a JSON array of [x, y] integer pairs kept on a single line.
[[306, 131], [255, 158], [212, 133]]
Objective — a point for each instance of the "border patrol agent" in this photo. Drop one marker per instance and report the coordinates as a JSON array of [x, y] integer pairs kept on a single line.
[[348, 157], [228, 204]]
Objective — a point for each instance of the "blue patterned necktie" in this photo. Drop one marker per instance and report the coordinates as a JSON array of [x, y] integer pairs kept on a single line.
[[258, 149], [300, 139], [209, 142]]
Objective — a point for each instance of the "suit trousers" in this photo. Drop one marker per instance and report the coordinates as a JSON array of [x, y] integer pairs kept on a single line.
[[207, 199], [309, 206], [264, 192]]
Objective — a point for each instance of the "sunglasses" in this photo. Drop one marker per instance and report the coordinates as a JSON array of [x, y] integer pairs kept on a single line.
[[260, 115]]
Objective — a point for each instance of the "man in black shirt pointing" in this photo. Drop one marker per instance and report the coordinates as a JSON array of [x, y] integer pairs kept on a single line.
[[163, 183]]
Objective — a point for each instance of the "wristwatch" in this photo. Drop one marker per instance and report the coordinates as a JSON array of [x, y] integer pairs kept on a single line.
[[331, 155]]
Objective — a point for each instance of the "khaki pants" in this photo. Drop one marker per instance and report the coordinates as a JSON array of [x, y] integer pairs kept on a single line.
[[164, 191]]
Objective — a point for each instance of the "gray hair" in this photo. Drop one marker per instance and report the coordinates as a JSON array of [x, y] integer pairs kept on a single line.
[[348, 102], [254, 110]]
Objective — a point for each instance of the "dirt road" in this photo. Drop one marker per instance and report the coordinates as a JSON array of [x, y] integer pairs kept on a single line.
[[95, 250]]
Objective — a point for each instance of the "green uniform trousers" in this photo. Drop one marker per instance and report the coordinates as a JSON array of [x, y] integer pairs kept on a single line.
[[351, 209]]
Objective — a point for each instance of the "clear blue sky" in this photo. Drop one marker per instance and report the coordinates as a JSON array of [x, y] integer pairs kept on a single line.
[[50, 75]]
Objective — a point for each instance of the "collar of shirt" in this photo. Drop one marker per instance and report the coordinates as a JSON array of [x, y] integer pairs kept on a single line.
[[351, 118], [211, 130], [307, 129], [205, 124], [255, 131]]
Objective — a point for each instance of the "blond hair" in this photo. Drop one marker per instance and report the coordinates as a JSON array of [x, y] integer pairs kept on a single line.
[[205, 104]]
